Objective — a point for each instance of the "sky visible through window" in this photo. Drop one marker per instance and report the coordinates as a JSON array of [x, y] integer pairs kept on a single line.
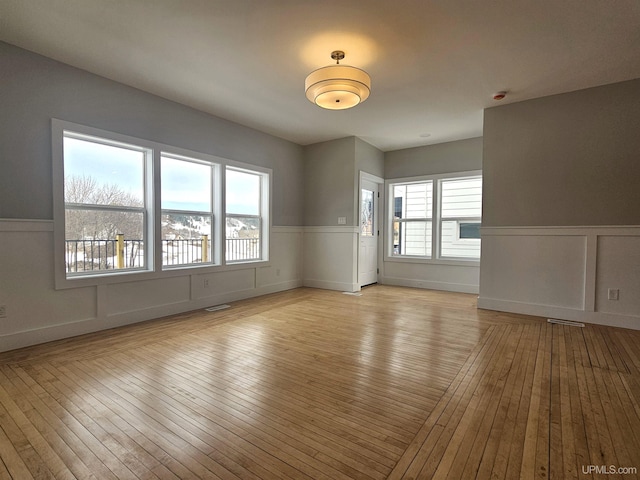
[[183, 183], [107, 164], [243, 193]]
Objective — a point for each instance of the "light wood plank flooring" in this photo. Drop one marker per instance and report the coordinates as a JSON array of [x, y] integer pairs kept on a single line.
[[310, 384]]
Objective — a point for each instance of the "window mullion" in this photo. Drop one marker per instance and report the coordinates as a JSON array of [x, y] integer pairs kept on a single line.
[[436, 215], [155, 199], [107, 208], [202, 213], [239, 215]]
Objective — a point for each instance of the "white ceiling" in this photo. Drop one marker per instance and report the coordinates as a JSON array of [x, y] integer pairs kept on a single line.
[[434, 64]]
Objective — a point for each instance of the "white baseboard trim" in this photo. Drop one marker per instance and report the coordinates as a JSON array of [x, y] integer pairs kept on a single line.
[[562, 313], [80, 327], [278, 287], [326, 285], [430, 285]]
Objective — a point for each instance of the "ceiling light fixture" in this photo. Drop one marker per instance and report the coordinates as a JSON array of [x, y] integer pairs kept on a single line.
[[337, 87]]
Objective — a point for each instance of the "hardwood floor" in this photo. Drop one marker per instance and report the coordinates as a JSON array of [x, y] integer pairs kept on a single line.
[[311, 384]]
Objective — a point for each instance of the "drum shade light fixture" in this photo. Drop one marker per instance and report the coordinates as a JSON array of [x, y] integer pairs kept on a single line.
[[337, 87]]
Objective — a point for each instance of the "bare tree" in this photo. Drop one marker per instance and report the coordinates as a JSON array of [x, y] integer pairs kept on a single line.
[[94, 230], [81, 224]]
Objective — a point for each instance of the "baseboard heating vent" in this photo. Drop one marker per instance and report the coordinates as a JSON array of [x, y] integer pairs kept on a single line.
[[565, 322], [216, 308], [354, 294]]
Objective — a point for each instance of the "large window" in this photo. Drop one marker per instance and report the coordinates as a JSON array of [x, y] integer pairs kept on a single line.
[[187, 218], [412, 219], [436, 217], [460, 217], [106, 208], [124, 205], [244, 215]]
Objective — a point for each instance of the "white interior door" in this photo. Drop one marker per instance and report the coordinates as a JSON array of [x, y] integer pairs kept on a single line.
[[368, 254]]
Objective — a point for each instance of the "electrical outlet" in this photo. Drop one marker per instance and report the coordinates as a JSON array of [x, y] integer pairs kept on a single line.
[[3, 311], [277, 272], [613, 294], [206, 283]]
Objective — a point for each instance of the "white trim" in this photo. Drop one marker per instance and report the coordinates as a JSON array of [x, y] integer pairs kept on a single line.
[[438, 176], [590, 272], [458, 262], [25, 225], [328, 285], [286, 229], [378, 220], [265, 176], [431, 285], [562, 230], [331, 229], [97, 302], [550, 311], [154, 268], [584, 307], [436, 220], [370, 177], [65, 330], [330, 257]]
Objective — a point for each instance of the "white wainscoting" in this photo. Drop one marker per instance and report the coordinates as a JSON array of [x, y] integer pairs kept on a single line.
[[331, 258], [37, 312], [563, 272], [449, 277]]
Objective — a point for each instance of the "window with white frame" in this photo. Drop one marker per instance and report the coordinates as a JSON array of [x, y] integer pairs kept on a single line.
[[187, 210], [246, 215], [436, 217], [132, 206], [413, 218], [460, 217], [105, 205]]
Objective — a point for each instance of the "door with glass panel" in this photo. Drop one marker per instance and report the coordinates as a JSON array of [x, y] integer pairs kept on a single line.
[[368, 254]]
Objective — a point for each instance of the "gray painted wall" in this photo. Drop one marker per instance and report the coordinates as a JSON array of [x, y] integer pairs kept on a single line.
[[564, 160], [34, 89], [329, 175], [458, 156], [368, 158]]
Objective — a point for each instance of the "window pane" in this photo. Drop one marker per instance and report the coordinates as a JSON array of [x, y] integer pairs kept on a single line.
[[244, 215], [366, 228], [242, 238], [413, 200], [102, 174], [469, 230], [243, 193], [412, 238], [462, 198], [91, 240], [185, 185], [454, 246], [186, 239]]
